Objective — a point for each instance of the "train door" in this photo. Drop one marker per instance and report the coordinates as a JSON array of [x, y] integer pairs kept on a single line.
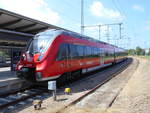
[[114, 55], [68, 65], [71, 56], [102, 56], [63, 58]]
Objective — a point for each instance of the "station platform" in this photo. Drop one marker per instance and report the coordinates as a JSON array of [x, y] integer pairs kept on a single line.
[[9, 81], [6, 74]]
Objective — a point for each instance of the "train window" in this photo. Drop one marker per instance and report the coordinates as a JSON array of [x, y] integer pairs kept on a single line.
[[80, 51], [92, 51], [95, 52], [62, 52], [106, 52], [101, 52], [97, 49], [88, 51], [73, 51], [109, 53], [84, 51]]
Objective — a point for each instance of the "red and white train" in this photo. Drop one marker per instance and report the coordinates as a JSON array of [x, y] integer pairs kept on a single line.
[[64, 55]]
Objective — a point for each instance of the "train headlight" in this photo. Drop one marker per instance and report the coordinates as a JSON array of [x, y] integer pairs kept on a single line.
[[23, 57], [38, 75], [19, 67]]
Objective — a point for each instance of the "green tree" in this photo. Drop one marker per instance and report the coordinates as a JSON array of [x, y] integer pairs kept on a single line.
[[131, 52], [139, 50]]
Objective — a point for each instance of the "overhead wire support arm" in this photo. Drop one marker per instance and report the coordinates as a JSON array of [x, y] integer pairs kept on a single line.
[[99, 28], [103, 25]]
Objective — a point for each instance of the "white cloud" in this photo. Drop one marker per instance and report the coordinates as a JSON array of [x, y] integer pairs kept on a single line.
[[37, 9], [138, 8], [98, 9]]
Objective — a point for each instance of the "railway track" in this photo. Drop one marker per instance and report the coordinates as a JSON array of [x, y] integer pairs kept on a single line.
[[15, 99], [25, 96]]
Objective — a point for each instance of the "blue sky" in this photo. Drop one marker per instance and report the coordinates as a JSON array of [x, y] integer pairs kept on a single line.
[[134, 14]]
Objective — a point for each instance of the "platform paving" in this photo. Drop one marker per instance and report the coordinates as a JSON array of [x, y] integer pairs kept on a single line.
[[6, 74], [9, 80]]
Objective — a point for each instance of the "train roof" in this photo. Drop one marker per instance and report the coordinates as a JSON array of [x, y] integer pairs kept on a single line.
[[77, 35]]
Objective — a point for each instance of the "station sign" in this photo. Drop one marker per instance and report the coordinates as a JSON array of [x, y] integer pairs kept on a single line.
[[51, 85]]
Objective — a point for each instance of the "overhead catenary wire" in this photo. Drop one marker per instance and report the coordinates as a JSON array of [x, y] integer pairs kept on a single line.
[[107, 29], [119, 9]]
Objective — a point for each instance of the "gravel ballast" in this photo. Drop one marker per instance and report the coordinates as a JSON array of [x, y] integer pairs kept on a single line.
[[135, 97]]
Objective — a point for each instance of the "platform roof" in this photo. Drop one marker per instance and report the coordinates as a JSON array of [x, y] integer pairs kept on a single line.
[[19, 23], [17, 29]]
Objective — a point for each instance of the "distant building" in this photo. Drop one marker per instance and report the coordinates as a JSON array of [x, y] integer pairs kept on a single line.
[[147, 51]]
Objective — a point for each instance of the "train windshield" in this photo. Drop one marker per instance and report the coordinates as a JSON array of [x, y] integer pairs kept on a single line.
[[40, 43]]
